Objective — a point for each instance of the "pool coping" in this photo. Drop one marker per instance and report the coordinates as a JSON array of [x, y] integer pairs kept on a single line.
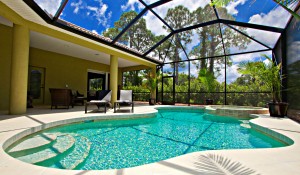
[[283, 160]]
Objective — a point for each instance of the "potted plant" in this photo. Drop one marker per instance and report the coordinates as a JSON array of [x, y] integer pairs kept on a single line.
[[269, 75], [208, 79], [151, 86]]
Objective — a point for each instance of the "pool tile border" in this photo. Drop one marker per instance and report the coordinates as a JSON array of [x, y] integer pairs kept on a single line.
[[272, 133]]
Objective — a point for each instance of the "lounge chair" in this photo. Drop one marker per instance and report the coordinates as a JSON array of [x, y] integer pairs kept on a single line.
[[103, 99], [126, 98]]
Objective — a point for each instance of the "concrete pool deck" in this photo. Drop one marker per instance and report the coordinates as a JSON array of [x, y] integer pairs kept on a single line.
[[284, 160]]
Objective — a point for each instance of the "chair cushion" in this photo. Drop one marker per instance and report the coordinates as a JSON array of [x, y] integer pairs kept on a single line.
[[102, 94], [108, 96], [126, 95]]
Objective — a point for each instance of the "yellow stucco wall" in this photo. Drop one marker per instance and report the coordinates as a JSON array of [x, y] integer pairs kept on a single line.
[[59, 68], [62, 70], [5, 65], [8, 13]]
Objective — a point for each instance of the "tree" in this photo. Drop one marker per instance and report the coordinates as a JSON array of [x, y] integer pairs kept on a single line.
[[137, 36], [132, 78], [210, 40], [208, 79], [149, 81], [162, 50], [178, 17], [201, 15]]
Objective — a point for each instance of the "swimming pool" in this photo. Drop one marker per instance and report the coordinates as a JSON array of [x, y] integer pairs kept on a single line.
[[115, 144]]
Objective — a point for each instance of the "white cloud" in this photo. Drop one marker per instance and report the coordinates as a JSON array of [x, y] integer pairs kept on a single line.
[[51, 6], [266, 62], [95, 9], [194, 70], [77, 6], [231, 7], [130, 5], [154, 24], [95, 31], [252, 46], [276, 18], [232, 74], [249, 57], [268, 38], [103, 9], [272, 18], [98, 12]]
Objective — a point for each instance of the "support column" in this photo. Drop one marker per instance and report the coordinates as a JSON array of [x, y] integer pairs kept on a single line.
[[113, 77], [153, 76], [19, 70], [120, 77]]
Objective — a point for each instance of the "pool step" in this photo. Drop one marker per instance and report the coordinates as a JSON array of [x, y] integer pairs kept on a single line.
[[63, 144], [245, 124], [34, 144], [78, 155]]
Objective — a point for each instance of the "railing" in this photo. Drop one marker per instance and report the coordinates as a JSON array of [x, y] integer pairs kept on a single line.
[[141, 96], [232, 98]]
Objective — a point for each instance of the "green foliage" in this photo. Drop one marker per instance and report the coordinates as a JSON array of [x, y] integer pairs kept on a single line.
[[150, 82], [245, 90], [96, 84], [136, 88], [266, 74], [208, 80], [132, 78]]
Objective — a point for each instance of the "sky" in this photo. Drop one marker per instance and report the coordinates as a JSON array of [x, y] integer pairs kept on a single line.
[[99, 15]]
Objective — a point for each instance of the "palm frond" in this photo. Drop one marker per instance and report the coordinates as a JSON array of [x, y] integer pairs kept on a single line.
[[212, 164]]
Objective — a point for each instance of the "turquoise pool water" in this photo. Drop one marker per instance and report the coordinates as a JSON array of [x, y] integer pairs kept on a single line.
[[126, 143]]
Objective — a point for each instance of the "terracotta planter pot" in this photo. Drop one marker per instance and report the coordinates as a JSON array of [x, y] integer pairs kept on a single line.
[[152, 101], [209, 101], [278, 109]]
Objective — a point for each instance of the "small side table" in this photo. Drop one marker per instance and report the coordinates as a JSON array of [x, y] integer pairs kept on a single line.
[[79, 100]]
